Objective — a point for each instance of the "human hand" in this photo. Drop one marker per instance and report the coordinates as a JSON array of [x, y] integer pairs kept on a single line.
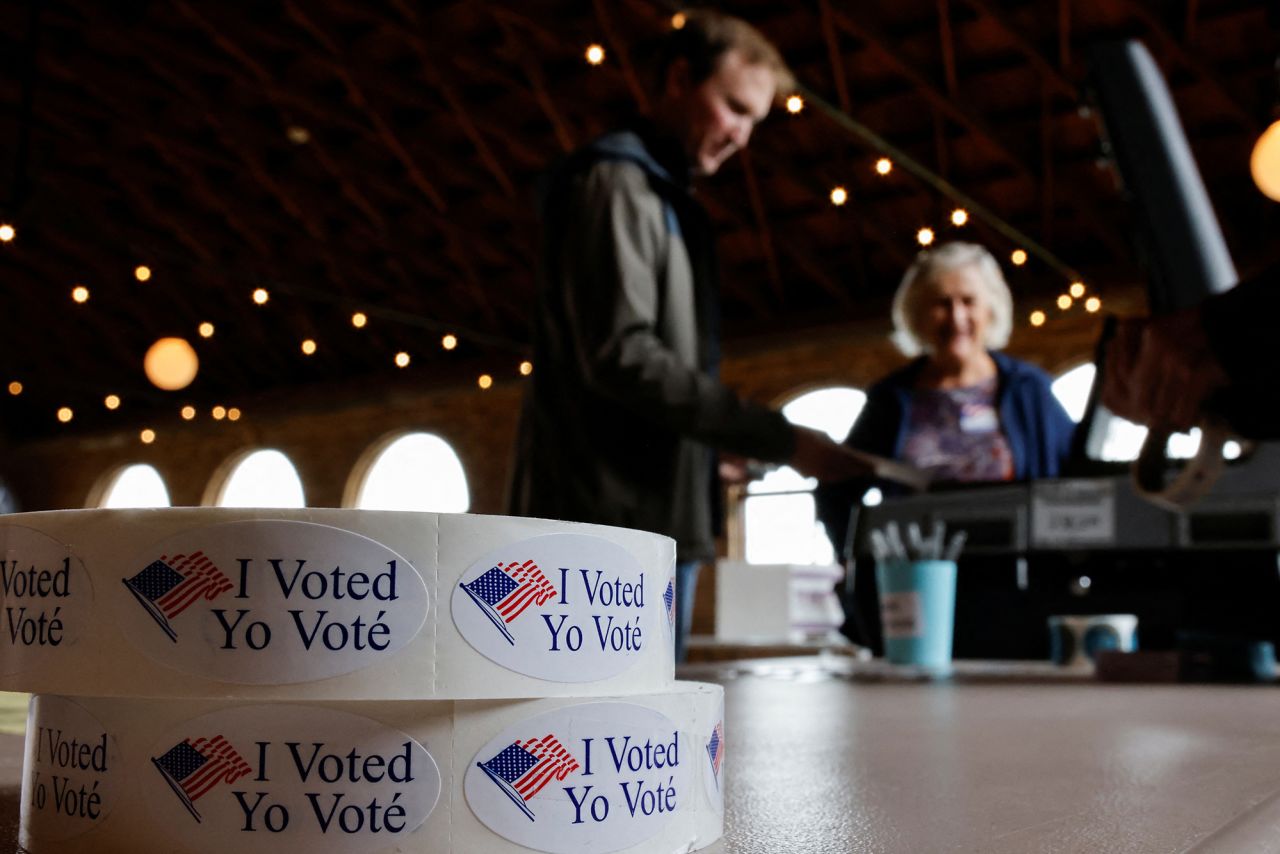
[[1161, 371], [817, 456]]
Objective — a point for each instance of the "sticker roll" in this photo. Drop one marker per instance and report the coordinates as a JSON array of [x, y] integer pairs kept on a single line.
[[636, 773], [330, 604]]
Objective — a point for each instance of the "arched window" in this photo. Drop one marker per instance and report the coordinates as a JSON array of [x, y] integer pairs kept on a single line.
[[419, 472], [136, 486], [1123, 439], [779, 520], [8, 501], [263, 479]]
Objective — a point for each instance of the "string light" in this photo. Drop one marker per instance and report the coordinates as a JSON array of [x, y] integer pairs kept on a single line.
[[595, 54], [308, 347], [65, 414], [1092, 304], [188, 413], [171, 364], [402, 359], [1076, 290], [358, 320], [959, 217], [7, 233], [219, 413], [1019, 257], [233, 414], [678, 21], [839, 196], [794, 104], [206, 330], [884, 166], [526, 368], [924, 236], [484, 381], [111, 402], [142, 273], [449, 341], [1064, 302], [147, 436], [260, 296], [1037, 318], [15, 388], [80, 294]]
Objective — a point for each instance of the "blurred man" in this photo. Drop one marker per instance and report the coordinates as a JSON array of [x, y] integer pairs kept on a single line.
[[625, 405]]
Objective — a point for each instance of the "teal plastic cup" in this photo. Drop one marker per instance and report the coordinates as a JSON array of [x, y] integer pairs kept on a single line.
[[917, 611]]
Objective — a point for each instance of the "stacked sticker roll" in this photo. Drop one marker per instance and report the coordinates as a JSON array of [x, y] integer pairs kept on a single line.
[[351, 681]]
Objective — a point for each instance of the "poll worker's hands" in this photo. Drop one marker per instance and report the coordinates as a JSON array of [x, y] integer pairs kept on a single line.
[[1160, 371]]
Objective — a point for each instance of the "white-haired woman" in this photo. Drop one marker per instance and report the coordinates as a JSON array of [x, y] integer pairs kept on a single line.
[[961, 410]]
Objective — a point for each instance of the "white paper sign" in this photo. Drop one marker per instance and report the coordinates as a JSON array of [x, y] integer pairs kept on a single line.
[[901, 615], [46, 600], [1073, 512], [270, 601], [562, 607], [266, 779], [71, 774], [584, 779]]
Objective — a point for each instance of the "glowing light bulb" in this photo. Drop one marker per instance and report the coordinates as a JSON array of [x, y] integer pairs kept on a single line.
[[1064, 302], [206, 330], [7, 233], [147, 436], [449, 342], [65, 414], [142, 273], [111, 401], [924, 236], [171, 364], [233, 414], [15, 388], [484, 381], [959, 216], [884, 166], [595, 54], [188, 413], [839, 196], [219, 413], [678, 21], [359, 320], [526, 368], [1092, 304], [80, 294], [1019, 257], [402, 360], [1037, 318], [1076, 290], [308, 347], [260, 296], [794, 104]]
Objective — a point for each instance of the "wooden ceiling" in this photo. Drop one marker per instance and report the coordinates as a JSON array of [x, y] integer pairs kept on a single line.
[[382, 157]]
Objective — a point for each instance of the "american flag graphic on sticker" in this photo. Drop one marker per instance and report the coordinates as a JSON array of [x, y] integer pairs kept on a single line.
[[170, 585], [522, 769], [715, 751], [194, 768], [507, 590]]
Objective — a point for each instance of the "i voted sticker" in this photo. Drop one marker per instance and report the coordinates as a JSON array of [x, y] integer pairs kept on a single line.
[[584, 779], [265, 779], [71, 774], [46, 599], [562, 607], [271, 601]]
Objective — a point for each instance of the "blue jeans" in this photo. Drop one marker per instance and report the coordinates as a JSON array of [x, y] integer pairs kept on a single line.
[[686, 584]]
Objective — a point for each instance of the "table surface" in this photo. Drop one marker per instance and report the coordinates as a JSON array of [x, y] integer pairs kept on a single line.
[[828, 755]]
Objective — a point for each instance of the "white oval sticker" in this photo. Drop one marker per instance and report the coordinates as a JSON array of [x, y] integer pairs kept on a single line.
[[71, 774], [584, 779], [46, 597], [271, 601], [265, 779], [562, 607]]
